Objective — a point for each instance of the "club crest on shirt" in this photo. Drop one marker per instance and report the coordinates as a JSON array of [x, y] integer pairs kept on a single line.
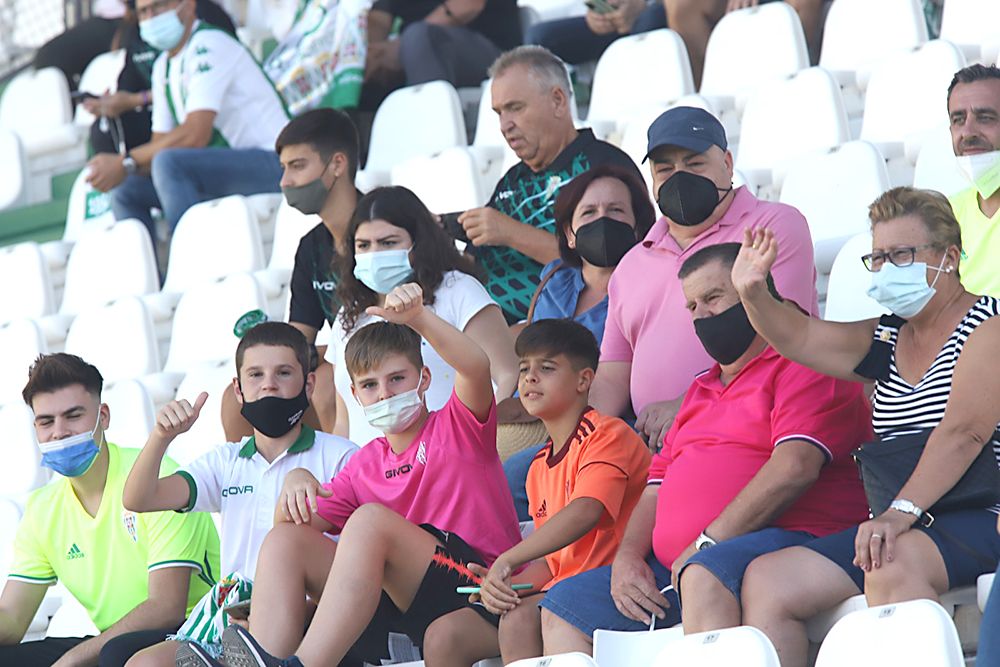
[[422, 453], [129, 521]]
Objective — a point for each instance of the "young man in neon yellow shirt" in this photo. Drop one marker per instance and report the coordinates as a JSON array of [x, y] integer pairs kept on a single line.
[[131, 572]]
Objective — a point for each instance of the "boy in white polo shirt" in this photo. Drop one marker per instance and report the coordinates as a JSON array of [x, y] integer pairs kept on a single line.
[[241, 480]]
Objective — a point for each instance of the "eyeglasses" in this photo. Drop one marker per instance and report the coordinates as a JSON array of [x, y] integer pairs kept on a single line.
[[900, 257]]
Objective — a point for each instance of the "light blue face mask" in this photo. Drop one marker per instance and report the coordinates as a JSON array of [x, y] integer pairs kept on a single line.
[[904, 289], [383, 270], [163, 31], [72, 456]]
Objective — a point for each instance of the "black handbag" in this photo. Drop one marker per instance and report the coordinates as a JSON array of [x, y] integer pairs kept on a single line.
[[886, 467]]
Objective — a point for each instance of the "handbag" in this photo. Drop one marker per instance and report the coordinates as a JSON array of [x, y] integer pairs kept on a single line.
[[887, 465]]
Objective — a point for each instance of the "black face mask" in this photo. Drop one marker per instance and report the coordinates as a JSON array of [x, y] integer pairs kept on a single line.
[[726, 336], [689, 199], [604, 241], [275, 416]]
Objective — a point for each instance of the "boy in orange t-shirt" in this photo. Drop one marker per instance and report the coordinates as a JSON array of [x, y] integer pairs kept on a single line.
[[582, 487]]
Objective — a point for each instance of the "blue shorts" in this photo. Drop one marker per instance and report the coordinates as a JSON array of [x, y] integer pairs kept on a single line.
[[585, 600], [975, 529]]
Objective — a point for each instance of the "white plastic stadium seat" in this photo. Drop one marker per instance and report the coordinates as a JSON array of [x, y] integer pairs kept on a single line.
[[10, 516], [787, 119], [118, 338], [21, 342], [13, 170], [856, 173], [750, 47], [207, 432], [637, 72], [983, 586], [89, 209], [743, 645], [919, 632], [132, 413], [25, 287], [412, 121], [21, 471], [100, 77], [818, 627], [289, 227], [972, 24], [71, 620], [559, 660], [613, 648], [937, 168], [446, 182], [846, 297]]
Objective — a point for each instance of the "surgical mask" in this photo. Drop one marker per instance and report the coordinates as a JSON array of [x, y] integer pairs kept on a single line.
[[396, 413], [72, 456], [689, 199], [726, 336], [904, 289], [275, 416], [383, 270], [308, 198], [983, 171], [163, 32], [604, 241]]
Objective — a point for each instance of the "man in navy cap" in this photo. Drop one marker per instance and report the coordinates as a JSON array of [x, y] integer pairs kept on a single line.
[[650, 353]]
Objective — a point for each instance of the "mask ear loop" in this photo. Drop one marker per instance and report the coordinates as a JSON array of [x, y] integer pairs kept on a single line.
[[940, 270]]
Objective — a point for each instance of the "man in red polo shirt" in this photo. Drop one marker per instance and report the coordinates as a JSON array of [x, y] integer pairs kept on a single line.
[[758, 459]]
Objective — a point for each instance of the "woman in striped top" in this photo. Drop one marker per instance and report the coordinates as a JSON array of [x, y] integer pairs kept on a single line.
[[934, 366]]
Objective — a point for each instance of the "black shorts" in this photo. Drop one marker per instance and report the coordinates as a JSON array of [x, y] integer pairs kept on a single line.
[[435, 597]]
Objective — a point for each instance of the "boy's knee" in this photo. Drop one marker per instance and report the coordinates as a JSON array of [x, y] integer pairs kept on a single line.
[[523, 620], [442, 638], [284, 540]]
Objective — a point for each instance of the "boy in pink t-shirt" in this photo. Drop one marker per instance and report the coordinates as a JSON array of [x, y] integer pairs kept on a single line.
[[413, 508]]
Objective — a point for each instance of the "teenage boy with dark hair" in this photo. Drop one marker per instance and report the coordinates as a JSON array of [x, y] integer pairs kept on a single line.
[[413, 508], [136, 574], [582, 487], [242, 480], [319, 158]]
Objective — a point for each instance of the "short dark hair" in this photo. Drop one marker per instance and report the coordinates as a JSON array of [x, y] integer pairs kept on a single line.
[[571, 194], [726, 254], [974, 73], [52, 372], [558, 336], [373, 342], [326, 131], [277, 334]]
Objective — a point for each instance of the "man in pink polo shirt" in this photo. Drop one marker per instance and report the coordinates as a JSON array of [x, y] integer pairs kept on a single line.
[[758, 459], [650, 352]]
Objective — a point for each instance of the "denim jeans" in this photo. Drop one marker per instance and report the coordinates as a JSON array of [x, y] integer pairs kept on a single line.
[[572, 40], [183, 177], [516, 470], [989, 631]]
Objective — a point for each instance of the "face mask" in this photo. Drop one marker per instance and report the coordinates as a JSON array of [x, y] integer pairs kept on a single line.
[[396, 413], [904, 289], [983, 171], [689, 199], [726, 336], [275, 416], [163, 32], [308, 198], [604, 241], [383, 270], [72, 456]]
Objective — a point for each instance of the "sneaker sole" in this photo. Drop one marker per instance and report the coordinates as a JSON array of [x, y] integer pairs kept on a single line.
[[239, 653], [187, 656]]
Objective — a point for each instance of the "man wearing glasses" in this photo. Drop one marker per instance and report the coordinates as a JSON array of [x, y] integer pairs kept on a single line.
[[215, 118]]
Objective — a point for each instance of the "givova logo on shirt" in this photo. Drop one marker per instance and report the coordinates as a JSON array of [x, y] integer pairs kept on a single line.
[[74, 552], [236, 490]]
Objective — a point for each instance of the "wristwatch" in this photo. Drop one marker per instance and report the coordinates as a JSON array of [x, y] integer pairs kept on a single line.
[[925, 519], [128, 163], [704, 542]]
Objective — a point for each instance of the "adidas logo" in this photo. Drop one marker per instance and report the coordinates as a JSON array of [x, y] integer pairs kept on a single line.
[[74, 552], [542, 511]]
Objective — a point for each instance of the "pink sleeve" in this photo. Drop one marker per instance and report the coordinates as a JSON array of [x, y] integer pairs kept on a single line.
[[831, 414], [795, 269], [338, 507], [614, 345]]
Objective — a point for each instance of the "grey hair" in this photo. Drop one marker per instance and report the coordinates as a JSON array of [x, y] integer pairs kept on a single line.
[[547, 69]]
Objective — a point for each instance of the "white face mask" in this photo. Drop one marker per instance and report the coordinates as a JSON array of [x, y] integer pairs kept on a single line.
[[983, 171], [396, 413]]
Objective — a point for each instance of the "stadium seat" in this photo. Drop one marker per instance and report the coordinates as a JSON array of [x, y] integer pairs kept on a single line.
[[207, 432], [89, 209], [613, 648], [21, 471], [132, 413], [25, 286], [819, 625], [71, 620], [264, 209], [289, 227], [559, 660], [743, 645], [10, 516], [905, 101], [21, 341], [550, 10], [788, 119], [983, 586], [13, 179], [638, 72], [447, 182], [748, 48], [919, 632], [118, 338], [846, 297], [937, 168], [972, 25], [412, 121], [100, 77], [856, 172]]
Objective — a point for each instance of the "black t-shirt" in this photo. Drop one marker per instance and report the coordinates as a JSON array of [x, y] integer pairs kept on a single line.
[[499, 21], [529, 197], [314, 283]]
